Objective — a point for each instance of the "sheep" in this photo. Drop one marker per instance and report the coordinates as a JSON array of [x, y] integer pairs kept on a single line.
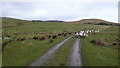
[[87, 31], [84, 33], [97, 31], [80, 34], [90, 31], [77, 33]]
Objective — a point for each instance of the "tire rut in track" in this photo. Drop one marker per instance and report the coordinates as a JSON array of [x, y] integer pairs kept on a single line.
[[41, 60], [75, 58]]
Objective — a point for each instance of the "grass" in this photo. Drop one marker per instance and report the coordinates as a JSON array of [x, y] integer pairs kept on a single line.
[[53, 27], [0, 59], [11, 22], [61, 56], [93, 55], [23, 53]]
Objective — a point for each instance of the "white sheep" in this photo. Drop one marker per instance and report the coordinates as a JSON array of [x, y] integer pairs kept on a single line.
[[84, 33]]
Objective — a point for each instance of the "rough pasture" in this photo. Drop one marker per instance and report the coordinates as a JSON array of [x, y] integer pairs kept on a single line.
[[15, 37], [91, 52], [39, 39]]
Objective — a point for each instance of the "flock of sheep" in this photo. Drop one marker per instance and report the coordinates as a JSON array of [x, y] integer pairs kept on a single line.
[[84, 33]]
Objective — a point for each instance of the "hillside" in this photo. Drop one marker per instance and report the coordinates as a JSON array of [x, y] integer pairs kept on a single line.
[[94, 21], [11, 22]]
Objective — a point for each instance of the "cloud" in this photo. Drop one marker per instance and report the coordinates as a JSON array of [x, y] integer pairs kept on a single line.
[[60, 10], [60, 0]]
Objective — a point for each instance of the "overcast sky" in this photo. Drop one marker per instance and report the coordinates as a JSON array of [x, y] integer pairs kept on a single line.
[[68, 11]]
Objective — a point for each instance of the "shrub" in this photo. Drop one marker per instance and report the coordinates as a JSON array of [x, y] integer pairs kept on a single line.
[[54, 36], [42, 38], [59, 34]]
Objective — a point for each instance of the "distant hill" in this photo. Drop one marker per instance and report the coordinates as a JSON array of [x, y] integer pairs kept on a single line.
[[12, 22], [95, 22]]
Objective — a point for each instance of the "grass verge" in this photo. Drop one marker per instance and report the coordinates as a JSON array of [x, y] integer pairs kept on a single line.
[[23, 53]]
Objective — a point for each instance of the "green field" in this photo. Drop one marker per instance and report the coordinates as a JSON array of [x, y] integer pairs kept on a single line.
[[22, 53], [94, 55]]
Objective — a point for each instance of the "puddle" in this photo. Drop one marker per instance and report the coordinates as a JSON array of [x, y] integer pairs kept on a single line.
[[6, 38]]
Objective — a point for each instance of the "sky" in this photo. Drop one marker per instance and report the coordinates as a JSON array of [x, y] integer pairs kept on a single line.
[[66, 11]]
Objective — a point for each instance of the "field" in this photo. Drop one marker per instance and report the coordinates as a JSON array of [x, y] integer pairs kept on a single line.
[[23, 48], [94, 55]]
